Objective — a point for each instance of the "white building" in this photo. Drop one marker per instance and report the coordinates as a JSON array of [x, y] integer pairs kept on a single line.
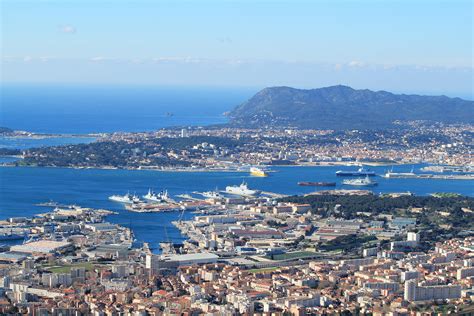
[[414, 292]]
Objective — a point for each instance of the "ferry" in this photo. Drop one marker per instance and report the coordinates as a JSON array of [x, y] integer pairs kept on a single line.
[[242, 189], [356, 173], [360, 182], [317, 184], [258, 172], [156, 197], [127, 198]]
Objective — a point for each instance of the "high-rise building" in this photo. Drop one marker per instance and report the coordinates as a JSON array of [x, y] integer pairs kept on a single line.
[[415, 292]]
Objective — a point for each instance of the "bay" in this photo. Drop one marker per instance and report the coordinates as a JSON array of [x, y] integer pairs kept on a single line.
[[35, 142], [23, 187]]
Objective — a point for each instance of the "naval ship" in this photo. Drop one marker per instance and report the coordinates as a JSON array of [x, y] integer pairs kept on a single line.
[[360, 182], [157, 197], [127, 198], [242, 189], [212, 194]]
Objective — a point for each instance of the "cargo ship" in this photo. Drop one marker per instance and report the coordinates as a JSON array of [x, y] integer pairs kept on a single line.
[[361, 172], [257, 172], [316, 184]]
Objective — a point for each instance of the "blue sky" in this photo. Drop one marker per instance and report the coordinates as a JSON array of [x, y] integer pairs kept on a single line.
[[413, 46]]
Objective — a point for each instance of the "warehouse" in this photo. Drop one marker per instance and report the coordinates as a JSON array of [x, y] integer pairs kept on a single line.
[[42, 247]]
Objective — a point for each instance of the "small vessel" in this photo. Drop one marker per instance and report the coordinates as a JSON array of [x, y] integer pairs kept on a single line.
[[317, 184], [212, 194], [242, 189], [357, 173], [391, 174], [258, 172], [127, 198], [156, 197], [11, 236], [360, 182]]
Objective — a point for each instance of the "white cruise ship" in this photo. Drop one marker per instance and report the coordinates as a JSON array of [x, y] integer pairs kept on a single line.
[[242, 189], [127, 198]]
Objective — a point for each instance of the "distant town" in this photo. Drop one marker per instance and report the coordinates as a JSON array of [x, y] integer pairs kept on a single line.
[[229, 148]]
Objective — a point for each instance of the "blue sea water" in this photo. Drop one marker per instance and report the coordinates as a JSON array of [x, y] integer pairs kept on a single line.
[[22, 187], [28, 142], [83, 109]]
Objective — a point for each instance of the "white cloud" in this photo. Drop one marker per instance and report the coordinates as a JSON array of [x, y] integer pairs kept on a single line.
[[97, 59], [356, 63], [68, 29]]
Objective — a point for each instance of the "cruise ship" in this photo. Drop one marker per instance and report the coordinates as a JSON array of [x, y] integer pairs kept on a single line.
[[360, 182], [361, 172], [257, 172], [127, 198], [156, 197], [242, 189]]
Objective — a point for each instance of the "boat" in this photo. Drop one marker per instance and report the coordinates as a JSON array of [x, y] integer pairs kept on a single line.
[[242, 189], [391, 174], [356, 173], [11, 236], [360, 182], [317, 184], [258, 172], [212, 194], [156, 197], [127, 198]]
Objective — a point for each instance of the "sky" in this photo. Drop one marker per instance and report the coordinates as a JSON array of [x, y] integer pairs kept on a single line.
[[401, 46]]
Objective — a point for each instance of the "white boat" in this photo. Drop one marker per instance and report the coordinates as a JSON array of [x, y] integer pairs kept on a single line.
[[242, 189], [212, 194], [127, 198], [361, 182]]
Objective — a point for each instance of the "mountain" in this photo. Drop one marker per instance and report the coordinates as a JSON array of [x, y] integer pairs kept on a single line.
[[341, 107]]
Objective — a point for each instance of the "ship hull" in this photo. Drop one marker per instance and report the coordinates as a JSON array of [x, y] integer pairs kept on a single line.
[[354, 174], [317, 184]]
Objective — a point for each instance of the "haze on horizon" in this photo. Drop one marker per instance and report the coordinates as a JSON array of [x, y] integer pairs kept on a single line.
[[399, 46]]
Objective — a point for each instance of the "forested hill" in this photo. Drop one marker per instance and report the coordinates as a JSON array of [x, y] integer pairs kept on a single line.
[[341, 107]]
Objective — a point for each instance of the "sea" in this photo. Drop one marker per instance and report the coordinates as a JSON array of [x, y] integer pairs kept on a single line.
[[72, 110]]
